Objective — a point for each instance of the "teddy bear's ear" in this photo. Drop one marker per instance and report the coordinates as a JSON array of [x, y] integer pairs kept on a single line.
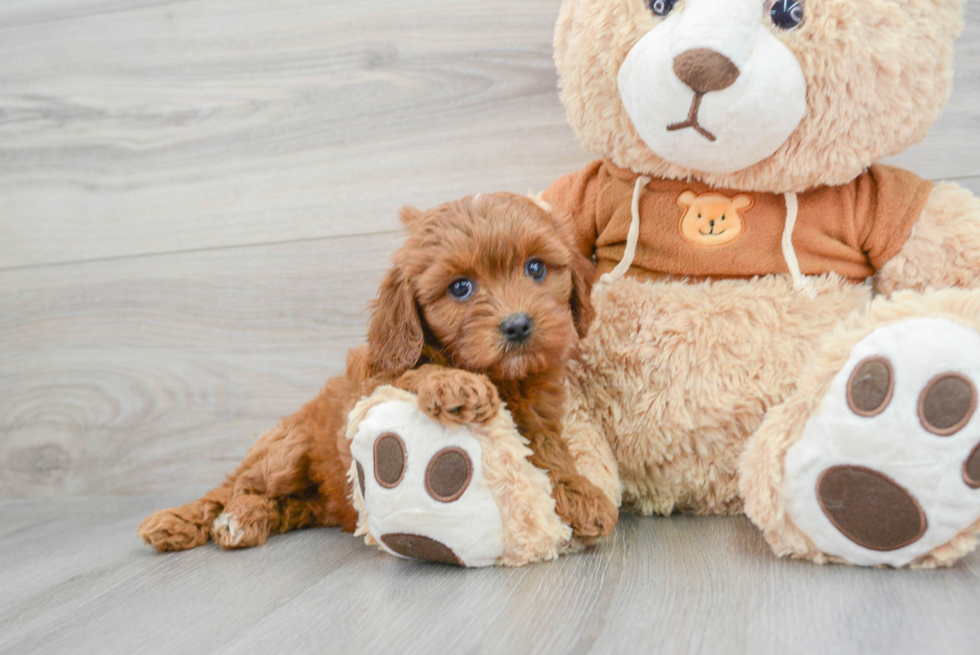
[[410, 216], [743, 202], [687, 199]]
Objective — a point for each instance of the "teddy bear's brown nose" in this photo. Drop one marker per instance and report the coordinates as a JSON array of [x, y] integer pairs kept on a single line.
[[705, 70]]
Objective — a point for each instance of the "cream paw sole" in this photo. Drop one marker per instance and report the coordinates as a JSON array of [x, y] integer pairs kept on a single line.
[[887, 469], [462, 495]]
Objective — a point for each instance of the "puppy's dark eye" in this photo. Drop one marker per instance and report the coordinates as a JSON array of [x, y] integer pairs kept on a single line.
[[661, 7], [535, 269], [786, 14], [462, 289]]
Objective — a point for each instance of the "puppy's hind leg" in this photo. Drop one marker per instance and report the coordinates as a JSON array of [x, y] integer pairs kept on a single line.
[[276, 468], [249, 520], [244, 510], [189, 526]]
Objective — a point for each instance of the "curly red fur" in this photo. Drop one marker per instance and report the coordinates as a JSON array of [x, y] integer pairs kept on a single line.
[[451, 353]]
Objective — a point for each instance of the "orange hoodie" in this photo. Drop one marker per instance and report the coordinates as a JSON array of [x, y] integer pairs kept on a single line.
[[688, 229]]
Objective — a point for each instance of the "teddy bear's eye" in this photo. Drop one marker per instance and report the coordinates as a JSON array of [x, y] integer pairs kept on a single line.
[[661, 7], [786, 14]]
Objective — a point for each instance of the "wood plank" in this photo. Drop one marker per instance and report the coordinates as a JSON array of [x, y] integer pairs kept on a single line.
[[971, 183], [208, 130], [156, 373], [159, 126], [81, 581], [168, 126], [78, 581]]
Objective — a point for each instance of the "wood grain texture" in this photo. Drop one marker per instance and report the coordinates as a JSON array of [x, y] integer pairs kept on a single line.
[[76, 579], [181, 195], [197, 200], [155, 373], [159, 126], [148, 127]]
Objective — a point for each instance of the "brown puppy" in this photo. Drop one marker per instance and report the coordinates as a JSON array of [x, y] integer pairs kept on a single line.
[[485, 301]]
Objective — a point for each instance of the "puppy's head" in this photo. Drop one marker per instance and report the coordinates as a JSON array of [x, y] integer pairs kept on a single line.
[[491, 281]]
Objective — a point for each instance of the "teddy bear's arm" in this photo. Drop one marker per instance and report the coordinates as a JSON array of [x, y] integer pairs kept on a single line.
[[573, 200], [943, 249]]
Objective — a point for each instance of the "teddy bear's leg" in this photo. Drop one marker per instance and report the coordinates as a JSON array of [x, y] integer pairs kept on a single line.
[[593, 456], [874, 459], [675, 377], [456, 397], [460, 494]]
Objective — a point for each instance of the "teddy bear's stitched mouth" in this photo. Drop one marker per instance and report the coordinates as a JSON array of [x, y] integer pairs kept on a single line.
[[692, 120], [712, 233]]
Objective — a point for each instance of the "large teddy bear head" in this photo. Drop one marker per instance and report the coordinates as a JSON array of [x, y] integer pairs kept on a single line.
[[761, 95]]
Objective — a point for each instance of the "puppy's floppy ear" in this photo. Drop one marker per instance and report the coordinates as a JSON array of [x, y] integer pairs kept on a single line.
[[581, 302], [395, 332], [580, 265], [409, 216]]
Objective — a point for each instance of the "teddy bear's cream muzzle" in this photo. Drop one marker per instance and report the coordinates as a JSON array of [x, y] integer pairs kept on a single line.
[[711, 88]]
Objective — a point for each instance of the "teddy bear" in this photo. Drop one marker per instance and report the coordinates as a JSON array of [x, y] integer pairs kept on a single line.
[[815, 364], [784, 327]]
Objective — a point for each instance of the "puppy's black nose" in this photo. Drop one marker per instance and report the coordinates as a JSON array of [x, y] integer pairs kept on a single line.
[[517, 327]]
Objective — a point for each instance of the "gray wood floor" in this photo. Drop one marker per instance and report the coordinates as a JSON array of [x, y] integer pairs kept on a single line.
[[75, 580], [197, 199]]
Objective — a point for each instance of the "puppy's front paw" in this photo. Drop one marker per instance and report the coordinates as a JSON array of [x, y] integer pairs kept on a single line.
[[454, 397], [585, 508]]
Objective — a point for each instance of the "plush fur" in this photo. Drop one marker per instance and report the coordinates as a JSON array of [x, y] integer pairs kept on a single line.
[[532, 531], [761, 482], [944, 248], [678, 376], [452, 354], [699, 389], [878, 74]]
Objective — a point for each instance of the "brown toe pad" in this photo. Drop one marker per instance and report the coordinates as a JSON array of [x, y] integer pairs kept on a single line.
[[947, 404], [871, 387], [869, 508], [971, 469], [389, 460], [448, 474], [419, 547]]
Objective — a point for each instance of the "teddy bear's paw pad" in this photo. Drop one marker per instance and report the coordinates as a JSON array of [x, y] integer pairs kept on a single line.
[[419, 547], [870, 508], [423, 488], [888, 467], [389, 460]]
